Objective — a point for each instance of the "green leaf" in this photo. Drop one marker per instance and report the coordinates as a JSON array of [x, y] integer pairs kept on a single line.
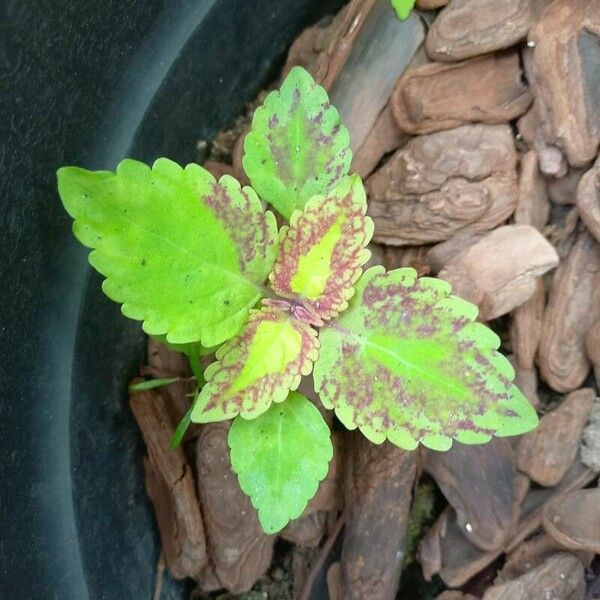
[[322, 251], [297, 146], [280, 458], [408, 362], [259, 366], [403, 8], [151, 384], [181, 252], [181, 428]]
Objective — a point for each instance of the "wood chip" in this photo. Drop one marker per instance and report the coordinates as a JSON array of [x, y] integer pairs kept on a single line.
[[218, 169], [578, 476], [440, 184], [590, 446], [307, 530], [439, 96], [381, 51], [467, 28], [573, 307], [239, 549], [526, 326], [529, 555], [378, 491], [444, 252], [170, 485], [500, 271], [445, 550], [565, 66], [479, 484], [384, 137], [547, 453], [588, 200], [307, 47], [560, 577], [526, 380], [164, 362], [533, 206], [573, 520]]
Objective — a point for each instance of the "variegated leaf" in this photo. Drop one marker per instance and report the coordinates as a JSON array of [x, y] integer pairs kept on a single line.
[[408, 362], [323, 250], [297, 146], [183, 253], [261, 365]]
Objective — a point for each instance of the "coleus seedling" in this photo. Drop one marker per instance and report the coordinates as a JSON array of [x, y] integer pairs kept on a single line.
[[201, 263]]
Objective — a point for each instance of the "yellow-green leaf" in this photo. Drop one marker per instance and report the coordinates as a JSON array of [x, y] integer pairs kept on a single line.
[[183, 253]]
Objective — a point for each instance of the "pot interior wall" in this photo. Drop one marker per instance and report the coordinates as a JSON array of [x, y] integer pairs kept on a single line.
[[181, 79]]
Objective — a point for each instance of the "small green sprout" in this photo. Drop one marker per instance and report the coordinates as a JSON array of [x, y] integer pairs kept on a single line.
[[201, 264]]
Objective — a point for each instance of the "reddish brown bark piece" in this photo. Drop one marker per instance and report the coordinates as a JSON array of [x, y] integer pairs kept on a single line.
[[578, 476], [170, 485], [307, 530], [445, 550], [439, 96], [467, 28], [240, 551], [218, 169], [457, 181], [526, 380], [548, 452], [500, 271], [533, 207], [441, 254], [573, 306], [588, 199], [384, 137], [344, 29], [479, 483], [378, 492], [329, 496], [164, 362], [526, 326], [306, 48], [573, 520], [560, 577], [565, 67], [527, 556]]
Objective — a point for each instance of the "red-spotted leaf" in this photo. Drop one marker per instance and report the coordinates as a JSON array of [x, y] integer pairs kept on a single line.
[[261, 365], [297, 146], [408, 362], [323, 250]]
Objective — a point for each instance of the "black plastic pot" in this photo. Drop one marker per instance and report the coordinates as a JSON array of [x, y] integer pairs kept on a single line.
[[88, 83]]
